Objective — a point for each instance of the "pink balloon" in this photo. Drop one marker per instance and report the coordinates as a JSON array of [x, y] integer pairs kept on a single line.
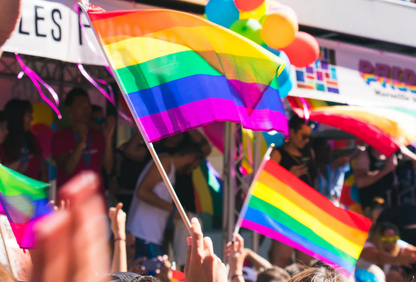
[[303, 51]]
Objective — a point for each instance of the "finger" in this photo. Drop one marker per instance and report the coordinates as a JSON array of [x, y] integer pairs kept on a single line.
[[197, 238], [111, 212], [208, 245], [188, 256], [240, 241], [80, 188]]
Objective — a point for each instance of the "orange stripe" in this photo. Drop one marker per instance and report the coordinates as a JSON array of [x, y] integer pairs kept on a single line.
[[306, 86]]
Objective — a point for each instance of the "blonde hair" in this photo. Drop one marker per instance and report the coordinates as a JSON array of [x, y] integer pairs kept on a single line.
[[5, 275], [324, 273]]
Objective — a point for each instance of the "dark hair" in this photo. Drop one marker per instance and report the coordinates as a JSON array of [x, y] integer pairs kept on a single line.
[[189, 148], [319, 274], [296, 123], [382, 226], [96, 108], [2, 116], [15, 111], [295, 268], [75, 92], [131, 277], [274, 274]]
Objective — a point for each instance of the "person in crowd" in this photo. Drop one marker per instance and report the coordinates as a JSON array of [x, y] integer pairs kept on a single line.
[[184, 186], [274, 274], [324, 273], [118, 227], [152, 202], [331, 174], [385, 249], [97, 120], [21, 150], [373, 173], [296, 158], [78, 148], [404, 217], [295, 268], [3, 127]]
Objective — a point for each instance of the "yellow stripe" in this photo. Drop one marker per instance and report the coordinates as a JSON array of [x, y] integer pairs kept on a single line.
[[270, 196], [145, 49], [214, 39], [201, 186], [349, 233]]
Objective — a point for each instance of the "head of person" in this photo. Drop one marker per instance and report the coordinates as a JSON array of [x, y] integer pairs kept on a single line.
[[189, 156], [274, 274], [300, 132], [130, 277], [19, 117], [97, 117], [3, 127], [173, 141], [78, 105], [384, 236], [295, 268], [322, 150], [323, 273]]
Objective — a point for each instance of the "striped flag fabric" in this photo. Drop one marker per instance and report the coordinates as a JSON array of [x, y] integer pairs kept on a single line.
[[181, 72], [24, 201], [284, 208]]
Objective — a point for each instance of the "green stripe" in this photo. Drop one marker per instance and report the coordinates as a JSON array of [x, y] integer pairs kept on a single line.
[[296, 226], [188, 63]]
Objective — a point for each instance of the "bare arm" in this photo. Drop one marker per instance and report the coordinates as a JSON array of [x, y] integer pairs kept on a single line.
[[202, 141], [70, 161], [134, 149], [145, 191], [118, 223], [375, 256], [257, 261], [276, 156], [363, 177], [9, 16]]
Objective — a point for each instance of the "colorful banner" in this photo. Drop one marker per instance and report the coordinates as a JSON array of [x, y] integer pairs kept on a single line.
[[356, 75]]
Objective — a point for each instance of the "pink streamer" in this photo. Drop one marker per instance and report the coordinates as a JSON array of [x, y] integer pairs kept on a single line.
[[306, 109], [36, 79]]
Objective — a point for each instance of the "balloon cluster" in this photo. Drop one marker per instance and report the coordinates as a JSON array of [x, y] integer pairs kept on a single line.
[[270, 24]]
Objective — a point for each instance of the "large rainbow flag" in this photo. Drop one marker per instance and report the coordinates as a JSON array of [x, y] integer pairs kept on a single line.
[[180, 72], [24, 201], [284, 208]]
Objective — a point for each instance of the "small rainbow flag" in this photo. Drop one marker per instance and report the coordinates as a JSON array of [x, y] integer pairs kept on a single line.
[[284, 208], [178, 276], [24, 201], [180, 72]]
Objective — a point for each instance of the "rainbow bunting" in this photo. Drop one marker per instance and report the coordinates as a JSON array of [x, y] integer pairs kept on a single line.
[[180, 72], [285, 209], [24, 201]]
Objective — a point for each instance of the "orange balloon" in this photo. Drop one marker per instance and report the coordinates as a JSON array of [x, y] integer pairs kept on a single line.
[[279, 28], [248, 5], [303, 51]]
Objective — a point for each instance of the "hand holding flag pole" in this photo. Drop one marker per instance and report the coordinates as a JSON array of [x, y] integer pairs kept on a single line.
[[84, 4]]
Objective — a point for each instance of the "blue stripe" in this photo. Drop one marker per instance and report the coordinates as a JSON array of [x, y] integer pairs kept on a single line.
[[195, 88], [262, 219]]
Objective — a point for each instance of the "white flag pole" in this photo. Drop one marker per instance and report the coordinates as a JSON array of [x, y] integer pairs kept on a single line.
[[142, 132], [250, 191]]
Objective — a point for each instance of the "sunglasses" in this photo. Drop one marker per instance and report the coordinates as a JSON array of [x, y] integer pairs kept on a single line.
[[388, 240], [306, 137]]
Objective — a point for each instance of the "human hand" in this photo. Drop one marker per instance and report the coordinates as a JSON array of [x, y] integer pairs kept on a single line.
[[64, 204], [236, 254], [108, 128], [406, 258], [390, 165], [118, 221], [137, 267], [165, 273], [72, 243], [299, 170], [202, 265], [82, 132]]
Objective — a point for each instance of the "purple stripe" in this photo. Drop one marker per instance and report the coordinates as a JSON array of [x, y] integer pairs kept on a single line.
[[285, 240], [207, 111]]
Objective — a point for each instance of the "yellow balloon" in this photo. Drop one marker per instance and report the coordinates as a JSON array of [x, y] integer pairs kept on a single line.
[[257, 13], [42, 114]]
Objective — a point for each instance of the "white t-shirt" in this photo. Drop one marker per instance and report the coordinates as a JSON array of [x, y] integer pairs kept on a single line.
[[145, 221]]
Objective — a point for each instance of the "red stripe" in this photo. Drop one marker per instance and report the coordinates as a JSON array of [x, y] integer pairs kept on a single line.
[[96, 15], [347, 217]]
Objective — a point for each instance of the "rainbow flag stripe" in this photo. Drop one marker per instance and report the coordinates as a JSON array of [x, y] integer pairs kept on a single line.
[[180, 71], [24, 201], [285, 209]]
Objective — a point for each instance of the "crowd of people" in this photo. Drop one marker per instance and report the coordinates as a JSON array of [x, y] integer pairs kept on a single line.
[[150, 222]]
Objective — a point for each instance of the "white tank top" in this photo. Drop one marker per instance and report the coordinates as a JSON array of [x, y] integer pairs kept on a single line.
[[145, 221]]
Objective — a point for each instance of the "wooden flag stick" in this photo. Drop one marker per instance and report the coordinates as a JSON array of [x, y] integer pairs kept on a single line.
[[6, 248], [143, 133], [250, 191]]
